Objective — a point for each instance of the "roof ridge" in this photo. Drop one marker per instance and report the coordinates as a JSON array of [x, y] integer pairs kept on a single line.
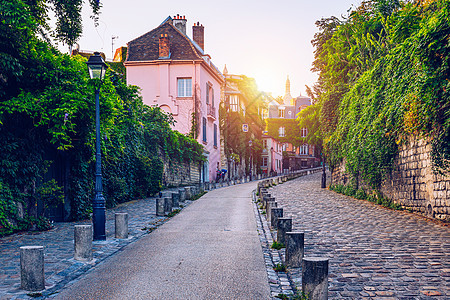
[[187, 38]]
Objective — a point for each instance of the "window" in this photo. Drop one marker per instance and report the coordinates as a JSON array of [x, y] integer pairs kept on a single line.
[[184, 87], [264, 162], [265, 144], [280, 113], [281, 132], [284, 147], [208, 92], [303, 149], [215, 135], [204, 130], [234, 103], [304, 132]]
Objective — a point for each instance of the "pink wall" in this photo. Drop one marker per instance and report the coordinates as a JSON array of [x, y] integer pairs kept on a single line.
[[158, 83]]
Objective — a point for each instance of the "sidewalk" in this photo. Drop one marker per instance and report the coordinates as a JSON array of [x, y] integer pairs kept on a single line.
[[60, 267], [374, 252], [211, 250]]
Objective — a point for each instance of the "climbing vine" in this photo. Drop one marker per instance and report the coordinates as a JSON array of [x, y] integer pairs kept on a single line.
[[384, 76]]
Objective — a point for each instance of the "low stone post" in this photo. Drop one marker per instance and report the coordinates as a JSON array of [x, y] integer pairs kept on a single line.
[[295, 249], [283, 225], [275, 214], [270, 206], [32, 268], [182, 193], [121, 225], [168, 204], [315, 277], [83, 242], [265, 198], [160, 207], [268, 200], [175, 199]]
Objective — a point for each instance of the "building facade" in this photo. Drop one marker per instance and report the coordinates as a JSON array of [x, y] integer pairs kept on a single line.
[[281, 124], [175, 73]]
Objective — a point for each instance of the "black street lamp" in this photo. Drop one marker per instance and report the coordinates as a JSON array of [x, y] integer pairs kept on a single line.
[[250, 143], [97, 68], [324, 174]]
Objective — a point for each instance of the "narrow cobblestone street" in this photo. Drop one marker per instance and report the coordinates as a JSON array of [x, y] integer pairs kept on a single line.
[[374, 252]]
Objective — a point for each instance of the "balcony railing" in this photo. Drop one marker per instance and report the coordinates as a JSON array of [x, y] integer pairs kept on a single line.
[[211, 111]]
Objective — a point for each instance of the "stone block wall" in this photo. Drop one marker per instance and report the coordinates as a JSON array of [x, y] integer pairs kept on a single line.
[[180, 174], [412, 182]]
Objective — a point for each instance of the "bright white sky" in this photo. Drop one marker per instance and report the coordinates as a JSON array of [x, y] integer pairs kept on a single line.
[[263, 39]]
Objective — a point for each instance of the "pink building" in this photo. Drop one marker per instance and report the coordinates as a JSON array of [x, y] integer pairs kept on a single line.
[[272, 155], [175, 73]]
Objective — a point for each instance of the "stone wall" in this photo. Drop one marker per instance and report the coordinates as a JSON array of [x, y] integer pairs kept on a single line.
[[180, 174], [412, 182]]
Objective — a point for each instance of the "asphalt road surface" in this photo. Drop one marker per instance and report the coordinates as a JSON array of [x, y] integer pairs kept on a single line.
[[210, 250]]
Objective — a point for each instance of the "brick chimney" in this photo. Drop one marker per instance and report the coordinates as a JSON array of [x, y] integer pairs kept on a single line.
[[164, 46], [180, 23], [198, 34]]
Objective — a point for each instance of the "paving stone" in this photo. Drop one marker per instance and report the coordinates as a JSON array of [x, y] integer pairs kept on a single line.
[[370, 248]]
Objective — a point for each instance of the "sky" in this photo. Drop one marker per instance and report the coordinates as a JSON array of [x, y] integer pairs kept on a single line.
[[264, 39]]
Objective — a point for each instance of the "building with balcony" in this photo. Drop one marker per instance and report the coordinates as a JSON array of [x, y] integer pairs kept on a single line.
[[176, 74]]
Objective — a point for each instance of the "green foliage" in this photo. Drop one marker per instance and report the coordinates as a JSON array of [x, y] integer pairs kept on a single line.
[[173, 213], [361, 194], [7, 210], [50, 194], [383, 77], [280, 268], [47, 122], [235, 140], [278, 246], [299, 296], [292, 130]]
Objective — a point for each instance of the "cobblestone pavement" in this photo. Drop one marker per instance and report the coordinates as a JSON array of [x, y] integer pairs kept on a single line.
[[278, 281], [374, 252], [60, 267]]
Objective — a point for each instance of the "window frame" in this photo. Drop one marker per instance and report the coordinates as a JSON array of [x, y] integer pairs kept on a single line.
[[182, 91]]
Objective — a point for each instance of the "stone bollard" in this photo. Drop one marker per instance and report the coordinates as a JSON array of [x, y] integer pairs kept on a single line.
[[283, 225], [267, 201], [295, 249], [270, 206], [32, 268], [168, 204], [182, 193], [315, 277], [83, 242], [275, 214], [160, 207], [280, 180], [175, 199], [121, 225]]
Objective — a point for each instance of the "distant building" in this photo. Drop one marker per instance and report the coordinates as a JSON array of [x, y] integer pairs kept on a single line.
[[242, 123], [272, 156], [282, 125], [175, 73]]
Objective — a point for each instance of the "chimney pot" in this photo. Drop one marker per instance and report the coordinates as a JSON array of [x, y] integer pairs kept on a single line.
[[180, 23], [164, 46], [198, 35]]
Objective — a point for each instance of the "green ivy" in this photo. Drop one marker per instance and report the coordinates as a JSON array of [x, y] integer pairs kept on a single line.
[[384, 77]]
